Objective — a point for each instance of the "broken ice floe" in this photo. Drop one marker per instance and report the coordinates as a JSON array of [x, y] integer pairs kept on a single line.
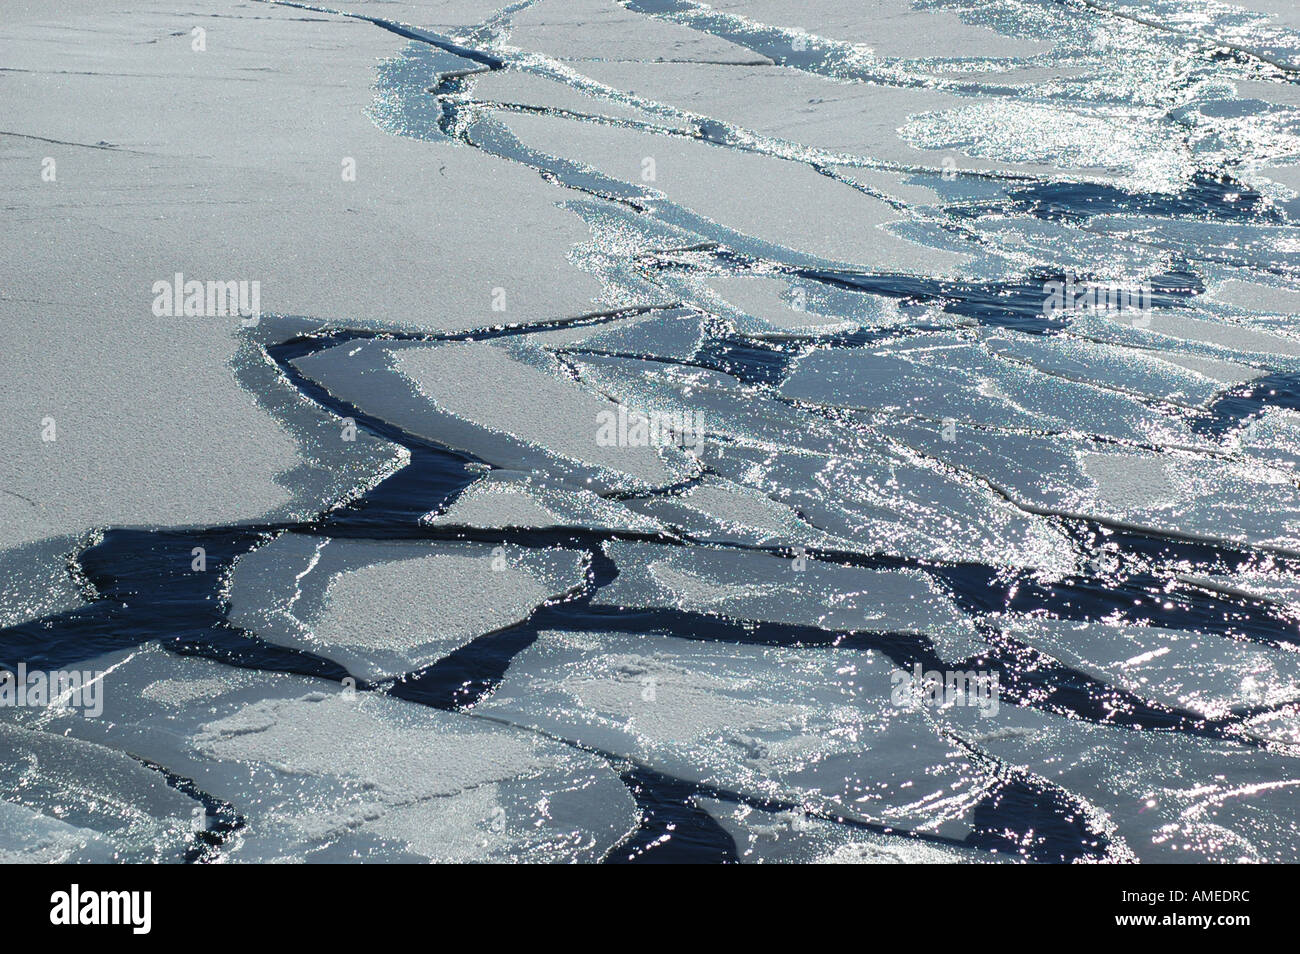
[[792, 837], [724, 159], [797, 590], [67, 800], [948, 377], [1203, 673], [676, 334], [504, 499], [384, 609], [813, 727], [1198, 496], [36, 581], [1165, 375], [1159, 796], [771, 306], [320, 773], [507, 407], [612, 32], [804, 212], [721, 511]]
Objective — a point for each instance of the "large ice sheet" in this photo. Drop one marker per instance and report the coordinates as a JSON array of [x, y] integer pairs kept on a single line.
[[288, 180], [147, 409]]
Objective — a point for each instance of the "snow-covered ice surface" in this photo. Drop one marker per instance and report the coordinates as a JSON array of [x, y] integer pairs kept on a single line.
[[742, 431]]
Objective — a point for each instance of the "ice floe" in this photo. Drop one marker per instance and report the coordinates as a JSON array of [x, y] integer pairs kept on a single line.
[[791, 837], [811, 727], [321, 773], [1143, 790], [513, 500], [384, 609], [1206, 674], [67, 800], [512, 409], [801, 210], [799, 590]]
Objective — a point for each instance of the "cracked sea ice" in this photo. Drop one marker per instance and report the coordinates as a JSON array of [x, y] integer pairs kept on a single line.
[[362, 579]]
